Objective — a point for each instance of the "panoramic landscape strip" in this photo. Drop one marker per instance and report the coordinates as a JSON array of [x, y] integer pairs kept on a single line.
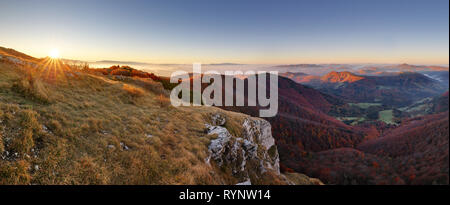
[[290, 98]]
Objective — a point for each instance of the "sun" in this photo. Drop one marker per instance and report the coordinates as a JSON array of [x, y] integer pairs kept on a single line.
[[54, 53]]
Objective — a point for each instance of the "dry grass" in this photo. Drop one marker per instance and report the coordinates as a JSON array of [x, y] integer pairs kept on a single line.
[[302, 179], [150, 85], [33, 88], [163, 101], [2, 145], [133, 91], [15, 173], [132, 94]]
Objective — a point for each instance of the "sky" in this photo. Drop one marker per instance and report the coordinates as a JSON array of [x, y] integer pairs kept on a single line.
[[215, 31]]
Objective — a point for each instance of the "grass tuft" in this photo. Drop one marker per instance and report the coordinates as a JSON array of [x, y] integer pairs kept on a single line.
[[33, 88], [133, 94]]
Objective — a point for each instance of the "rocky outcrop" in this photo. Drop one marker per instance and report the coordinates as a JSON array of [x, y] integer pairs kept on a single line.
[[218, 119], [259, 132], [248, 156]]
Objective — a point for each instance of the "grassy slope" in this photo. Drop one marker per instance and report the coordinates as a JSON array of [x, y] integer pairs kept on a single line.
[[79, 128]]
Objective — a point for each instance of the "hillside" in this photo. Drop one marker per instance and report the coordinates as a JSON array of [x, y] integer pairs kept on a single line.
[[397, 90], [60, 124], [300, 77], [340, 77], [312, 142], [440, 76], [13, 54], [431, 105], [418, 149], [302, 126]]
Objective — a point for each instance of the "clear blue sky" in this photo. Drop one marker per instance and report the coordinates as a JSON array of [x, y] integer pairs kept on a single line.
[[186, 31]]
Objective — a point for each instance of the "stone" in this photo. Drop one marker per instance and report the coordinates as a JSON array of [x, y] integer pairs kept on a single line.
[[248, 182], [218, 119], [256, 145]]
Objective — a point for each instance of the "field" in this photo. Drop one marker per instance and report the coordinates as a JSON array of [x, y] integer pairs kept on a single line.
[[364, 105], [352, 120], [386, 116]]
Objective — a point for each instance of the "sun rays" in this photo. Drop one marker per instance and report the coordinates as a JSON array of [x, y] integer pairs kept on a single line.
[[53, 69]]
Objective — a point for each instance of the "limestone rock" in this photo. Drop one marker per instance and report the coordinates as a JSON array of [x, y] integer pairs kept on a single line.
[[248, 156], [218, 119]]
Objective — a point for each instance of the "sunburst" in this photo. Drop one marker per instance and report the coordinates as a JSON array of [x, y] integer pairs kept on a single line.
[[53, 68], [54, 53]]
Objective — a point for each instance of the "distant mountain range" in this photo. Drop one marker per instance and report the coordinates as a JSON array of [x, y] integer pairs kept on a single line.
[[397, 89], [362, 69]]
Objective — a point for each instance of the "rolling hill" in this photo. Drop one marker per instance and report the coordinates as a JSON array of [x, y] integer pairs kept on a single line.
[[340, 77], [395, 90], [418, 149]]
